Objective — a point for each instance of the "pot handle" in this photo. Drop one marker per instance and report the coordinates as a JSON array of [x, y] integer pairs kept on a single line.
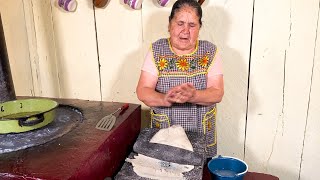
[[200, 2], [24, 121]]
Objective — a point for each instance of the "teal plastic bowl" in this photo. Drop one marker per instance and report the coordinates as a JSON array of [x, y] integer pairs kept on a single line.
[[227, 168]]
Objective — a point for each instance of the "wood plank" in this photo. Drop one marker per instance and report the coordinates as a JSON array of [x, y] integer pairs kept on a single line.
[[228, 25], [311, 158], [281, 64], [15, 30], [74, 41], [44, 66], [155, 21], [119, 41], [32, 44]]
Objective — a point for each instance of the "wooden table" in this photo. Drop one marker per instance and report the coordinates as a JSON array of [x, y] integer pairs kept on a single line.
[[83, 153]]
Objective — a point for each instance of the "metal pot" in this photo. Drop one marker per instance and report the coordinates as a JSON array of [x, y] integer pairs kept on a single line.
[[26, 115]]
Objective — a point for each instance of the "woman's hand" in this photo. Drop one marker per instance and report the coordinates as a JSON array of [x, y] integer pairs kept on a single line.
[[181, 94]]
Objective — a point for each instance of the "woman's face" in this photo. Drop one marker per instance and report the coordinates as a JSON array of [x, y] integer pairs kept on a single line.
[[184, 30]]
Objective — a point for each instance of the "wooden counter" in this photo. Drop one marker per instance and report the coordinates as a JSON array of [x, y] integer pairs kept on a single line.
[[83, 153]]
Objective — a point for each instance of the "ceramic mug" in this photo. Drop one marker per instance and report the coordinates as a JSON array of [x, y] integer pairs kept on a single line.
[[163, 2], [134, 4], [68, 5]]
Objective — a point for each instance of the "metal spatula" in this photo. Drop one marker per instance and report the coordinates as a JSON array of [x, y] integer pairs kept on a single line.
[[107, 122]]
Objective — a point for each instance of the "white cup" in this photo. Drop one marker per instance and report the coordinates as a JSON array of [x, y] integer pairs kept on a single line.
[[68, 5], [134, 4], [163, 2]]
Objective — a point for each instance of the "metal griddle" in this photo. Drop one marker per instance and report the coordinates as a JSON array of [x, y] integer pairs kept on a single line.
[[67, 118]]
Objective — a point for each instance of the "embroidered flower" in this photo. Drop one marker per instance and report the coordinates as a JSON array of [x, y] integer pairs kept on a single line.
[[204, 61], [182, 64], [162, 64]]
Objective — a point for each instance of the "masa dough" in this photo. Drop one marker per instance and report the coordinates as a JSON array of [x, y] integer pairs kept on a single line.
[[153, 168], [173, 136], [148, 167]]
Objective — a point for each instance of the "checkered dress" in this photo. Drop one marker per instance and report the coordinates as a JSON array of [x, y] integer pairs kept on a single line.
[[174, 70]]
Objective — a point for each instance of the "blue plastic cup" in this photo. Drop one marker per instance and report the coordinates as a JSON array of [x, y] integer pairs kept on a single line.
[[227, 168]]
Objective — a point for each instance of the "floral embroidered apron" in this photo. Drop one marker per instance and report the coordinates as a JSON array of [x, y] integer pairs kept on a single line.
[[174, 70]]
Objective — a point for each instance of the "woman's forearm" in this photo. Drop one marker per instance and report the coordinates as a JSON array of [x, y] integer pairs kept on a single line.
[[207, 97], [213, 94], [152, 98]]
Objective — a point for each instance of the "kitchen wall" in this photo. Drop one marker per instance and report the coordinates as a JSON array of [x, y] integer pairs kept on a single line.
[[269, 114]]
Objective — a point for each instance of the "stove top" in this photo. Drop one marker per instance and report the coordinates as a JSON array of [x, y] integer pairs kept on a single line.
[[83, 152], [66, 119]]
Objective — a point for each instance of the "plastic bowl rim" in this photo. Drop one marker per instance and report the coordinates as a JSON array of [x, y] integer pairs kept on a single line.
[[230, 157]]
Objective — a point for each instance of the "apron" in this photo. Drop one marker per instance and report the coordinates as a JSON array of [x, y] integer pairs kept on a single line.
[[174, 70]]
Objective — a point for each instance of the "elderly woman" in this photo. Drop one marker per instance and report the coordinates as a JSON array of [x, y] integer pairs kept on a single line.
[[181, 79]]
